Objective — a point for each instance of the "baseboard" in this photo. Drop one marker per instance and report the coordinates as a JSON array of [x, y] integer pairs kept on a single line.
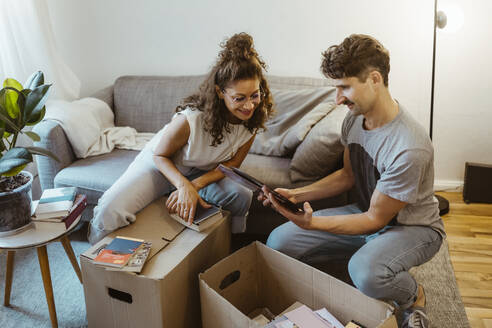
[[448, 185]]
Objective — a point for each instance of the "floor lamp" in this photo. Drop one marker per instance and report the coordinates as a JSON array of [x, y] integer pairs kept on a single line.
[[440, 21]]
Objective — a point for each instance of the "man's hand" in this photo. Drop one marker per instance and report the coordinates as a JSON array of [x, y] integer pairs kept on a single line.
[[287, 193], [183, 201], [303, 219]]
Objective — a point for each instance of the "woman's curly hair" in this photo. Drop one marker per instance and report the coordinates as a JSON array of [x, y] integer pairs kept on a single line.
[[238, 60]]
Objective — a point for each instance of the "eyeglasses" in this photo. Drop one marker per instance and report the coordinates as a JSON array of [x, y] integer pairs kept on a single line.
[[255, 98]]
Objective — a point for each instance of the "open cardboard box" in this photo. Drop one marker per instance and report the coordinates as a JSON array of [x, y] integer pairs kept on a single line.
[[257, 276], [166, 292]]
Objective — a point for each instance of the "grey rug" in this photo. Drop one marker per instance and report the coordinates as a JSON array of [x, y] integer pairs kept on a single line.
[[28, 301], [444, 305], [29, 309]]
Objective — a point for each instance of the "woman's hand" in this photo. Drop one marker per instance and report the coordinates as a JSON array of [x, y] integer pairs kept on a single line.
[[183, 202]]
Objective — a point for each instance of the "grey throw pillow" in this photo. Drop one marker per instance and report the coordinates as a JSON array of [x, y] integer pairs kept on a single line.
[[321, 151], [296, 112]]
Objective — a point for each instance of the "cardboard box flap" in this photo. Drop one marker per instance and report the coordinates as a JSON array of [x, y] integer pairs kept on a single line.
[[283, 280], [340, 296], [220, 312], [236, 280], [159, 227]]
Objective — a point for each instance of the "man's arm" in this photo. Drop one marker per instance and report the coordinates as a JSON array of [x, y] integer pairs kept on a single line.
[[331, 185], [382, 209]]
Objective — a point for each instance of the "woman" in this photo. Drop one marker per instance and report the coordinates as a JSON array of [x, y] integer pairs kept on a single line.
[[216, 125]]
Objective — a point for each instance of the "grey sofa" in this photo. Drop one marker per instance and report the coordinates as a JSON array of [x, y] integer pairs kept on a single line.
[[147, 103]]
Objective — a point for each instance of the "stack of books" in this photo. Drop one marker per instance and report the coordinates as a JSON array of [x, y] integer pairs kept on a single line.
[[55, 203], [59, 206], [120, 253]]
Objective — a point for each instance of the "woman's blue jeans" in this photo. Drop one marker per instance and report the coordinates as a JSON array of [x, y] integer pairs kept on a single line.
[[142, 183]]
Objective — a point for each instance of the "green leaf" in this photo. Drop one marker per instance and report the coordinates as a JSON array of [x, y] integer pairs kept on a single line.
[[11, 105], [42, 151], [2, 97], [2, 145], [16, 170], [33, 135], [35, 119], [35, 100], [4, 118], [13, 83], [26, 92], [13, 159], [21, 102], [35, 80]]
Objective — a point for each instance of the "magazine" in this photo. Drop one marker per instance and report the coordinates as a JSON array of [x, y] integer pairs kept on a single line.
[[118, 252]]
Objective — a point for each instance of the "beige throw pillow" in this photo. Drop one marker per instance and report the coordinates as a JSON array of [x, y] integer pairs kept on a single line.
[[321, 151]]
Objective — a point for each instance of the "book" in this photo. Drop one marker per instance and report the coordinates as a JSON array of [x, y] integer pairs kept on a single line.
[[118, 252], [79, 204], [254, 185], [204, 218], [55, 203], [137, 261], [92, 252], [299, 315]]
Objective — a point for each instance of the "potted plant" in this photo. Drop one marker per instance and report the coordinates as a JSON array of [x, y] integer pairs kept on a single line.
[[19, 106]]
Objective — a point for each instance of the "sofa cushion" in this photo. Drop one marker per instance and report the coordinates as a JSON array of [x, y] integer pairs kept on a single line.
[[94, 175], [147, 103], [296, 111], [294, 83], [271, 170], [321, 151]]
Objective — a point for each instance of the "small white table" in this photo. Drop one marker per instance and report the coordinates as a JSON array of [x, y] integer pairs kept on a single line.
[[39, 235]]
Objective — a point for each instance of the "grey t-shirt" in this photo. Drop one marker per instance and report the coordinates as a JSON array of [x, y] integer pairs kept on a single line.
[[397, 159]]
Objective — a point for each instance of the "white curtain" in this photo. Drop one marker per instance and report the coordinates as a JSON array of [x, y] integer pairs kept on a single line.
[[27, 44]]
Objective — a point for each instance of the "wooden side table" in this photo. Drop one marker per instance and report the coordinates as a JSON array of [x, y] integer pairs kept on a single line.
[[39, 235]]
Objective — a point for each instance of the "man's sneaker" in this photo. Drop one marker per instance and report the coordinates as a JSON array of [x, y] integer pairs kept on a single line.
[[415, 317]]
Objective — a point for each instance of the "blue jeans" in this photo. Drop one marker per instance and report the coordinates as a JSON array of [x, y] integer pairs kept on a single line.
[[142, 183], [379, 262]]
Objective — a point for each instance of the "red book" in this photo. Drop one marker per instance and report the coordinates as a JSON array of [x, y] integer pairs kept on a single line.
[[111, 258], [79, 204]]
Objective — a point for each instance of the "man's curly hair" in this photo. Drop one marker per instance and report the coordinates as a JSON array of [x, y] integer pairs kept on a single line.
[[238, 60], [356, 56]]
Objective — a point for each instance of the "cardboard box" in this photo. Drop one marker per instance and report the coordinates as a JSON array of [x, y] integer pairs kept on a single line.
[[166, 292], [257, 276]]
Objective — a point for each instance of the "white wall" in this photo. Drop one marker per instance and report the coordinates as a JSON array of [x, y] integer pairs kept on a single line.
[[103, 39], [463, 105]]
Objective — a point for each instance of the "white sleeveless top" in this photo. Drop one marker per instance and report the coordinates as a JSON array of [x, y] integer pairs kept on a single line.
[[198, 152]]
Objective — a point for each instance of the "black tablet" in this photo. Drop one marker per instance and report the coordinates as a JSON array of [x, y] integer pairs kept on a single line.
[[253, 184]]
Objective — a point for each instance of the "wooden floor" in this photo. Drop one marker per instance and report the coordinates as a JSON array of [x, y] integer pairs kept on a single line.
[[469, 229]]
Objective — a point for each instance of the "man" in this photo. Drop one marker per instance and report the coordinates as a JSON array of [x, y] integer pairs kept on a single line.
[[388, 159]]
